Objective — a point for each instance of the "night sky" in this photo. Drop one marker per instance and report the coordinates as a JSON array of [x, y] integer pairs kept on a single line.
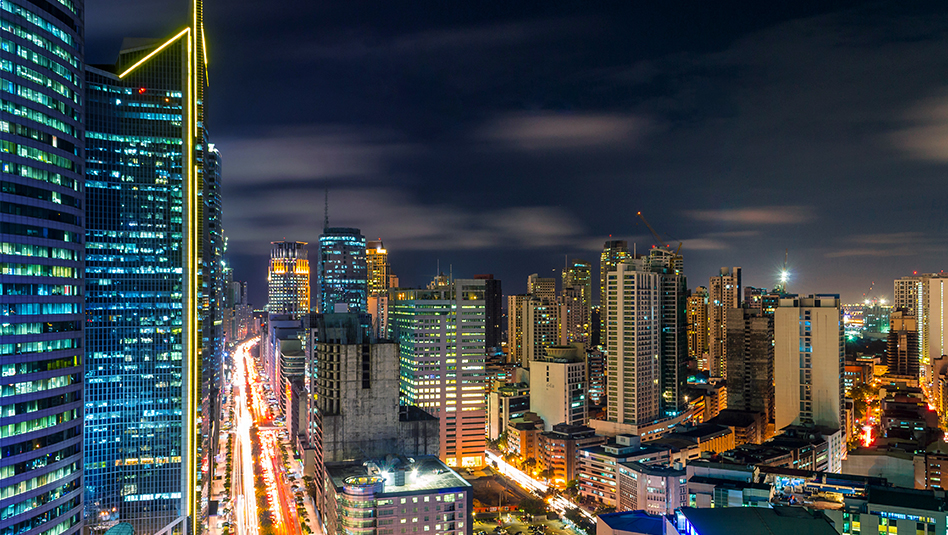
[[497, 137]]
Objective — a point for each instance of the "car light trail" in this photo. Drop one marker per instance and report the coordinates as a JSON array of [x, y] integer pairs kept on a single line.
[[557, 503]]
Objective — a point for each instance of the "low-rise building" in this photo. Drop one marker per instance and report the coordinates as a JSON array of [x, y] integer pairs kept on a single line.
[[558, 449], [893, 510], [657, 490], [598, 477], [630, 523], [748, 427], [505, 403], [715, 484], [395, 496], [523, 435], [740, 520]]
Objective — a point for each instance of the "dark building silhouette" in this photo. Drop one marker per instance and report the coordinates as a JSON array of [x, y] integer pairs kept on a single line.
[[750, 361], [493, 310], [902, 354]]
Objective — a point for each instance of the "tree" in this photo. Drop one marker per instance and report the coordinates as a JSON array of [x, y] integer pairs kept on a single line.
[[572, 487], [533, 506]]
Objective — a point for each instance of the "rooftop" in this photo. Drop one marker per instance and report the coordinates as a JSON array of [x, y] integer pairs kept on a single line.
[[424, 474], [752, 520], [925, 500], [636, 521], [735, 418]]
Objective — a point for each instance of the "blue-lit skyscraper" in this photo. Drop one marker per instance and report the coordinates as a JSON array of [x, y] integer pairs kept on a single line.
[[41, 255], [152, 218], [342, 272]]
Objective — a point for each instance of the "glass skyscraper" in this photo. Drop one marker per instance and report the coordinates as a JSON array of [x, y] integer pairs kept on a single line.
[[41, 256], [342, 272], [150, 239]]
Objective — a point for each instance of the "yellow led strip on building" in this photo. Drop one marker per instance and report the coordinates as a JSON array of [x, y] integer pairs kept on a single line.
[[151, 54]]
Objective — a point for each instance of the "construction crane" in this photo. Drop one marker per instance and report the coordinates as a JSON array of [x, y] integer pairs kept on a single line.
[[657, 237]]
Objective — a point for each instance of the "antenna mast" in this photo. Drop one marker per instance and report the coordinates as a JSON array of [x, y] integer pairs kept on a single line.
[[326, 222]]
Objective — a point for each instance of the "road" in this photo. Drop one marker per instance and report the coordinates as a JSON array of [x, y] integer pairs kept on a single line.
[[557, 503], [242, 477]]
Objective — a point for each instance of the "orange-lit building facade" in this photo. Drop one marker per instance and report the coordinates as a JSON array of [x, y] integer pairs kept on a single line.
[[288, 278]]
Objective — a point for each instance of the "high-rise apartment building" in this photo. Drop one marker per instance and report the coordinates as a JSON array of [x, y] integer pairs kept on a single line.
[[902, 353], [342, 272], [924, 296], [750, 361], [613, 252], [577, 295], [441, 337], [674, 327], [543, 288], [41, 262], [149, 315], [809, 362], [633, 344], [378, 269], [493, 311], [543, 326], [697, 310], [288, 278], [558, 386], [516, 305], [724, 293]]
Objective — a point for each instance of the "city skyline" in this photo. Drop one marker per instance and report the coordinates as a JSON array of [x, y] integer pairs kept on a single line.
[[656, 104]]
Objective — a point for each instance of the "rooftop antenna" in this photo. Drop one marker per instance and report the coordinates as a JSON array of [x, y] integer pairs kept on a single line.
[[326, 222]]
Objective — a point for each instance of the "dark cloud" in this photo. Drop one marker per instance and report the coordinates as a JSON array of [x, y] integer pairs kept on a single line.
[[500, 137]]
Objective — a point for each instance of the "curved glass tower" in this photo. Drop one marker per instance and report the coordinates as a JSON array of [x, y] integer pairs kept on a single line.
[[41, 266]]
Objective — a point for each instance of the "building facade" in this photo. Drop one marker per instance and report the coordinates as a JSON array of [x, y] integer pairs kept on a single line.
[[442, 351], [724, 293], [558, 386], [633, 345], [288, 278], [493, 311], [149, 324], [613, 252], [41, 267], [750, 361], [577, 294], [697, 307], [343, 272], [379, 271], [902, 354]]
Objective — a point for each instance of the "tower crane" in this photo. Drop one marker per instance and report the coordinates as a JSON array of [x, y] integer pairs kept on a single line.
[[657, 237]]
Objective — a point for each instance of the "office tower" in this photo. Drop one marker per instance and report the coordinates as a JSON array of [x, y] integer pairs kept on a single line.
[[342, 273], [558, 386], [674, 327], [288, 278], [441, 340], [542, 287], [543, 326], [697, 307], [378, 269], [41, 243], [577, 293], [493, 310], [633, 344], [750, 361], [808, 368], [515, 313], [902, 354], [145, 277], [613, 252], [724, 293]]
